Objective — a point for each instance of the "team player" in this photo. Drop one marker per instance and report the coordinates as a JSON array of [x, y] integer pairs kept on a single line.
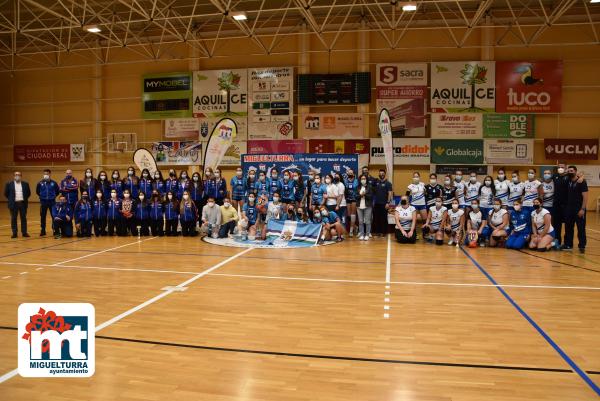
[[515, 190], [300, 191], [487, 193], [476, 223], [542, 234], [145, 185], [188, 215], [142, 215], [47, 190], [317, 192], [116, 184], [62, 216], [238, 189], [460, 187], [113, 217], [171, 210], [434, 224], [333, 224], [501, 186], [104, 185], [531, 191], [131, 182], [83, 215], [547, 191], [250, 215], [69, 188], [520, 223], [455, 221], [351, 191], [287, 186], [448, 192], [406, 222], [433, 190], [416, 191], [472, 189], [498, 224], [99, 214], [157, 214], [274, 185]]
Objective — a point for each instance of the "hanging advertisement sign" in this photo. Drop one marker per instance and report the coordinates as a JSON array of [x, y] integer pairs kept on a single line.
[[334, 88], [508, 151], [451, 169], [271, 103], [407, 151], [463, 87], [402, 90], [332, 125], [508, 125], [233, 153], [186, 128], [177, 153], [281, 146], [167, 96], [591, 174], [304, 162], [571, 149], [49, 153], [464, 151], [456, 126]]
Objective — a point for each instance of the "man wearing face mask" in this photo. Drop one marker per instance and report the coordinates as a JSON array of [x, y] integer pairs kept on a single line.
[[561, 191], [17, 193], [47, 190], [69, 188], [382, 199], [211, 217], [229, 219], [575, 212]]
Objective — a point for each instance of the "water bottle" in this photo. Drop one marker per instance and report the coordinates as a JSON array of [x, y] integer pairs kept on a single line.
[[210, 230]]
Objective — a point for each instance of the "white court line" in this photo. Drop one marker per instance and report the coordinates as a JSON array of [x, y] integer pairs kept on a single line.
[[28, 223], [591, 229], [388, 263], [125, 269], [104, 251], [13, 373]]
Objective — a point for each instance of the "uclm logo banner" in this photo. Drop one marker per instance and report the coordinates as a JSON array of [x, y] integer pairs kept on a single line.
[[529, 87]]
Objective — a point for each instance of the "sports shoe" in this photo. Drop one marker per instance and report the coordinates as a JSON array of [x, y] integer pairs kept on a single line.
[[366, 238], [360, 237], [370, 235], [566, 248], [351, 234], [581, 250], [450, 242]]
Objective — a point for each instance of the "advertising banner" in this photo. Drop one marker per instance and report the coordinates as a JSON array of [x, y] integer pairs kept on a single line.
[[508, 125], [463, 87], [271, 104], [303, 162], [348, 146], [332, 125], [177, 153], [167, 95], [233, 154], [292, 233], [508, 151], [218, 94], [571, 149], [185, 128], [402, 90], [450, 169], [591, 174], [49, 153], [529, 87], [281, 146], [407, 151], [464, 151], [456, 126], [385, 132], [334, 88]]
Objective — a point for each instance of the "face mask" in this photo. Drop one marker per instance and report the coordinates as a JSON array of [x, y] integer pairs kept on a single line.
[[157, 177], [115, 176], [84, 196], [318, 180], [324, 212], [311, 177], [126, 196], [496, 207], [46, 177], [536, 206], [183, 176], [99, 195], [103, 177], [186, 197], [217, 175], [276, 199], [403, 202], [547, 177], [454, 206], [130, 173], [254, 175], [141, 197], [416, 180], [317, 215], [473, 179], [475, 207], [351, 176], [69, 175], [458, 178], [447, 182], [286, 177], [300, 212], [296, 178], [561, 170], [291, 211], [382, 176], [571, 175], [433, 181], [170, 196], [251, 200], [196, 178], [364, 182], [238, 173], [207, 173], [211, 204], [531, 176], [171, 174], [88, 175], [488, 183], [328, 180], [262, 179], [226, 204], [145, 175], [336, 179], [113, 194], [501, 177], [517, 207], [274, 176], [515, 180]]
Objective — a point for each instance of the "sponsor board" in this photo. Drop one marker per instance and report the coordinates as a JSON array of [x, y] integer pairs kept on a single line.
[[271, 101], [508, 125], [407, 151], [184, 128], [332, 125], [571, 149], [49, 153], [508, 151], [460, 151], [456, 126], [277, 146], [177, 153], [167, 95]]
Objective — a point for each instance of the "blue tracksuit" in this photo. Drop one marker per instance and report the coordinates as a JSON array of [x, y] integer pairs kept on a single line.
[[104, 186], [520, 223], [195, 189], [161, 187], [99, 209], [171, 211], [69, 187], [209, 189], [221, 186], [83, 216], [262, 187], [142, 211], [274, 186], [61, 226], [117, 186], [171, 185], [131, 183], [47, 190], [112, 209], [188, 214], [145, 187], [238, 188], [182, 186], [156, 211], [287, 190], [251, 213]]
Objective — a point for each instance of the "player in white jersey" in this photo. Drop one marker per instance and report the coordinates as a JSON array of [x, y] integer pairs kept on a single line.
[[460, 189], [455, 221], [487, 193], [498, 224], [472, 189], [515, 190], [531, 191], [435, 222], [501, 186], [406, 222], [416, 191], [547, 191], [542, 232], [475, 225]]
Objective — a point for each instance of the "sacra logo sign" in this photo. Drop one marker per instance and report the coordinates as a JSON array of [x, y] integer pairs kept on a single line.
[[390, 73]]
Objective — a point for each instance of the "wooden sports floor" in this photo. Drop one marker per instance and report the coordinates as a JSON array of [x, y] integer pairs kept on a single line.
[[352, 321]]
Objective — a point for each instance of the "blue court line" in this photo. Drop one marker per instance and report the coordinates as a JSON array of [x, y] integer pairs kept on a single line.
[[541, 331], [42, 248]]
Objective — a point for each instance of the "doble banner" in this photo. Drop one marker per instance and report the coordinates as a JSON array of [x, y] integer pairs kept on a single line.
[[571, 149]]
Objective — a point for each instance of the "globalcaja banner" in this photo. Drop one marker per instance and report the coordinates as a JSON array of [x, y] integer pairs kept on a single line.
[[463, 151], [280, 146], [508, 125], [219, 94], [508, 151], [529, 87], [303, 162], [271, 105], [332, 125], [463, 87], [177, 153], [290, 233], [456, 126], [407, 151], [49, 153], [167, 96], [571, 149], [185, 128], [402, 90]]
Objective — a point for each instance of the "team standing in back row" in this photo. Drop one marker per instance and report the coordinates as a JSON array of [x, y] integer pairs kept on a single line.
[[495, 212]]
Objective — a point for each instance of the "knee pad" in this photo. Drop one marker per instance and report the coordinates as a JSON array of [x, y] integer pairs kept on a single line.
[[439, 242]]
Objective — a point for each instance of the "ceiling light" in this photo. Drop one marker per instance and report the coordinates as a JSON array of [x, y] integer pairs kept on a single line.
[[594, 1], [92, 28], [239, 16], [409, 7]]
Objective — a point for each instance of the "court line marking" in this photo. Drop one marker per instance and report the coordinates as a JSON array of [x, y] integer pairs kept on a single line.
[[28, 223], [582, 374], [591, 229], [14, 372], [558, 261], [388, 263], [103, 251], [42, 248]]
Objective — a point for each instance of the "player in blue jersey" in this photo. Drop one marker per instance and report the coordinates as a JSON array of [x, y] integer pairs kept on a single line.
[[520, 223]]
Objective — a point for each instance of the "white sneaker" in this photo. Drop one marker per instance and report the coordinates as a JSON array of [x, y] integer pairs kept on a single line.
[[360, 237], [450, 242], [366, 238], [370, 235], [350, 234]]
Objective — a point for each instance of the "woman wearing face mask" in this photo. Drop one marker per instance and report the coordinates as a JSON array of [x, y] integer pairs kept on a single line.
[[433, 190], [546, 191], [142, 216], [83, 216], [128, 214], [520, 224], [274, 183], [460, 187], [455, 221], [318, 192], [436, 218], [157, 214], [531, 191], [319, 219], [171, 208], [472, 189], [131, 182], [333, 224], [541, 225], [288, 187], [351, 188], [196, 191], [476, 223], [332, 197], [158, 185], [99, 214], [416, 194], [300, 190], [88, 183], [291, 213], [172, 183], [342, 209], [211, 218], [250, 214], [501, 186], [145, 184], [183, 184], [238, 189], [301, 216], [103, 185], [498, 224], [188, 215], [261, 186], [487, 192], [406, 222], [448, 192], [275, 209], [221, 186], [116, 184], [515, 190], [113, 216], [364, 205]]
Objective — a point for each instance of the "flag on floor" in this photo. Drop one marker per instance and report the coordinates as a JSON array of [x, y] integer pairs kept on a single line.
[[292, 233]]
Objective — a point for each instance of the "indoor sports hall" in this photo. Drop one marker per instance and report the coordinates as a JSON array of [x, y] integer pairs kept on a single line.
[[299, 200]]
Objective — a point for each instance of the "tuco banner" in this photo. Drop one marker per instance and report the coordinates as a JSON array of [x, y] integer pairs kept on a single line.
[[461, 151], [463, 87], [282, 146], [49, 153], [332, 125], [508, 151], [407, 151], [508, 125], [571, 149], [402, 90], [529, 87], [456, 126]]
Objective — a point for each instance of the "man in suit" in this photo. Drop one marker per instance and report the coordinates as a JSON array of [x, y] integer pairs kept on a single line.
[[17, 192]]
